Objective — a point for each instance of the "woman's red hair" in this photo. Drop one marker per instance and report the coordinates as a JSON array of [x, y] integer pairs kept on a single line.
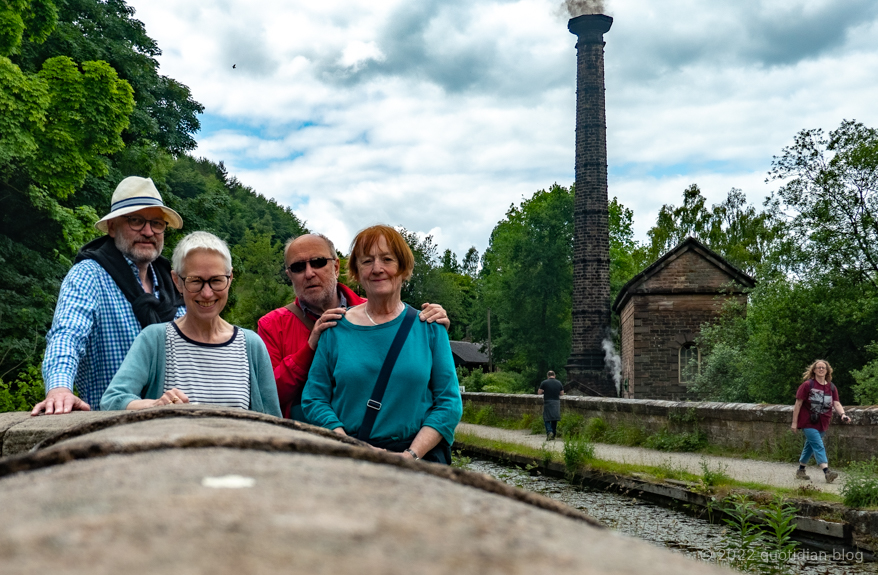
[[367, 238]]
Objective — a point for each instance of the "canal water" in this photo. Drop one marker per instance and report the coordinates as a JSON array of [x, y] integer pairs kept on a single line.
[[696, 538]]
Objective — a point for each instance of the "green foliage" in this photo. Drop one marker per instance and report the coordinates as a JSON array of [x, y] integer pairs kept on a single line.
[[24, 393], [442, 280], [483, 416], [745, 538], [578, 450], [831, 188], [505, 382], [731, 228], [627, 256], [759, 542], [817, 295], [666, 440], [866, 389], [596, 428], [860, 488], [165, 114], [713, 477], [527, 274], [255, 290], [683, 416], [780, 522], [571, 424], [496, 382], [33, 18], [460, 460], [474, 382], [623, 434], [537, 427]]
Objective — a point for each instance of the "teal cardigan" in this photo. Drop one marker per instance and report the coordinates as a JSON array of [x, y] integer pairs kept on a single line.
[[142, 374], [422, 390]]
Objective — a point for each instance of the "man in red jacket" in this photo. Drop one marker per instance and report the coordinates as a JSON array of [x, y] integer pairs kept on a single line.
[[291, 333]]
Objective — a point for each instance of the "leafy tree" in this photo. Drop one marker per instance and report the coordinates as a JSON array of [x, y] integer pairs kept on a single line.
[[82, 106], [449, 262], [732, 228], [435, 280], [58, 126], [823, 302], [255, 290], [106, 30], [527, 278], [627, 256], [470, 264], [831, 190]]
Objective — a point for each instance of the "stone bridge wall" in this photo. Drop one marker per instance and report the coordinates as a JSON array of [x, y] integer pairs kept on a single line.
[[737, 425]]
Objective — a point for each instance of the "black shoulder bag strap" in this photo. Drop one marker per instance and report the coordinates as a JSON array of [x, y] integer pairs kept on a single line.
[[373, 406]]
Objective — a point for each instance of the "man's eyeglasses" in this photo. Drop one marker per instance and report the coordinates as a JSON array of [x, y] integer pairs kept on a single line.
[[316, 263], [137, 223], [195, 284]]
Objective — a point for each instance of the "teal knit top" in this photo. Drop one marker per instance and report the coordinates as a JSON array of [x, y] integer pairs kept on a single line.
[[422, 390]]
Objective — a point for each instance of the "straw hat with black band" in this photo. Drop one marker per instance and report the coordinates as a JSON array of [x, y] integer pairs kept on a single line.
[[134, 194]]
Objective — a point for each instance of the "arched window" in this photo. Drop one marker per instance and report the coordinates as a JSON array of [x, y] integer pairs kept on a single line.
[[690, 362]]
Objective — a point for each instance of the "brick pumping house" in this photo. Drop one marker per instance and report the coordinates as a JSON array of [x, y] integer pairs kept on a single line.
[[661, 310]]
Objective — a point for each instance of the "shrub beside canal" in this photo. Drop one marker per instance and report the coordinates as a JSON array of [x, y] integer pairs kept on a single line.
[[860, 488]]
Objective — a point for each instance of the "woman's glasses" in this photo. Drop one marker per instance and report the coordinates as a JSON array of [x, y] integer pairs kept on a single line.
[[195, 284], [316, 263]]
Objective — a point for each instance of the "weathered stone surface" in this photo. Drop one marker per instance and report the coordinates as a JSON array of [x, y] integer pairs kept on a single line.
[[28, 431], [153, 513], [7, 420], [164, 431]]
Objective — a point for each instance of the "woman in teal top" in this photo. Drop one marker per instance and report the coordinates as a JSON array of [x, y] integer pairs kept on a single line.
[[421, 406]]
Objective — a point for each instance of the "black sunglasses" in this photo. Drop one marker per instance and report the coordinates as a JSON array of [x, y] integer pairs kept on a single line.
[[316, 264]]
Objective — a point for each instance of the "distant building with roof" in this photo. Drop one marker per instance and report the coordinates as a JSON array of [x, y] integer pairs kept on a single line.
[[469, 355], [661, 311]]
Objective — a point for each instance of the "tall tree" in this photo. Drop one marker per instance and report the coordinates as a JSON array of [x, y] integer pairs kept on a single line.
[[528, 275], [733, 228], [831, 189], [60, 123]]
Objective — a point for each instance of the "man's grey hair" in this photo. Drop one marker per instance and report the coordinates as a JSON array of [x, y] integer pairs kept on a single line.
[[550, 374], [200, 241], [328, 241]]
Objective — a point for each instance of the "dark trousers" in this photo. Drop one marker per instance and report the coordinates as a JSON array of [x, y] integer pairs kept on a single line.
[[551, 427]]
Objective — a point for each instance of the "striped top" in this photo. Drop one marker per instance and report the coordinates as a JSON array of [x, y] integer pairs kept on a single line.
[[212, 373]]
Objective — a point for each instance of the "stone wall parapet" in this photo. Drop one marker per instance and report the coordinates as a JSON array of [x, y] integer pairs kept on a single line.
[[735, 425]]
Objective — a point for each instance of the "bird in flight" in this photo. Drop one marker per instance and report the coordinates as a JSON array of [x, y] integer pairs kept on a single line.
[[234, 66]]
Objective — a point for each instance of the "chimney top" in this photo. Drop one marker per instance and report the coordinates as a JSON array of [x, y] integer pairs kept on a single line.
[[590, 27]]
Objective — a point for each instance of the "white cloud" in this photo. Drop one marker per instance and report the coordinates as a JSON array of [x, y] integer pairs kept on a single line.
[[436, 115]]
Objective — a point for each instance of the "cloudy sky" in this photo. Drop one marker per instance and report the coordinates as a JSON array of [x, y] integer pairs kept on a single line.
[[438, 114]]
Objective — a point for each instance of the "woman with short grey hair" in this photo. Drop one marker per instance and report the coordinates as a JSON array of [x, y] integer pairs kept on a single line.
[[200, 357]]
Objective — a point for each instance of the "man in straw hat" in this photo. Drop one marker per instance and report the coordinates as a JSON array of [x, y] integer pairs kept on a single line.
[[118, 285]]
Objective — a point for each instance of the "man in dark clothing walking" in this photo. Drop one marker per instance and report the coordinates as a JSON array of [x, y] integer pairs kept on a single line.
[[551, 390]]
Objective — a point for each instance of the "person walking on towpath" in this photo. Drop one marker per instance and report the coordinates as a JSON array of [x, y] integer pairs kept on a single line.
[[818, 395], [551, 390]]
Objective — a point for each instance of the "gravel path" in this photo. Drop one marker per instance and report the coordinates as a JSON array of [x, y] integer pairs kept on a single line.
[[767, 472]]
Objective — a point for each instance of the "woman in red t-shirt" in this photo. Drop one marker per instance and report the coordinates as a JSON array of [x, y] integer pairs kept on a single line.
[[818, 395]]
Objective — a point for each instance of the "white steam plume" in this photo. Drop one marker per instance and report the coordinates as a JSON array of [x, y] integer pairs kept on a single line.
[[579, 7], [614, 363]]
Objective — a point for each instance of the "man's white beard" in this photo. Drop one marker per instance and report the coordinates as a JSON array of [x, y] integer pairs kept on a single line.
[[322, 301], [127, 249]]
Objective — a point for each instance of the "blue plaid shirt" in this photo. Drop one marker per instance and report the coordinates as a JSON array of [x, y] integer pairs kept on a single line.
[[92, 330]]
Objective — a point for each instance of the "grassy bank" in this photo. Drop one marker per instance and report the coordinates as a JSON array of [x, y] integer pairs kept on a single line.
[[713, 481]]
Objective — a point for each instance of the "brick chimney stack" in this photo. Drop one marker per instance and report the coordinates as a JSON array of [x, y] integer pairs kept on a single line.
[[586, 370]]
